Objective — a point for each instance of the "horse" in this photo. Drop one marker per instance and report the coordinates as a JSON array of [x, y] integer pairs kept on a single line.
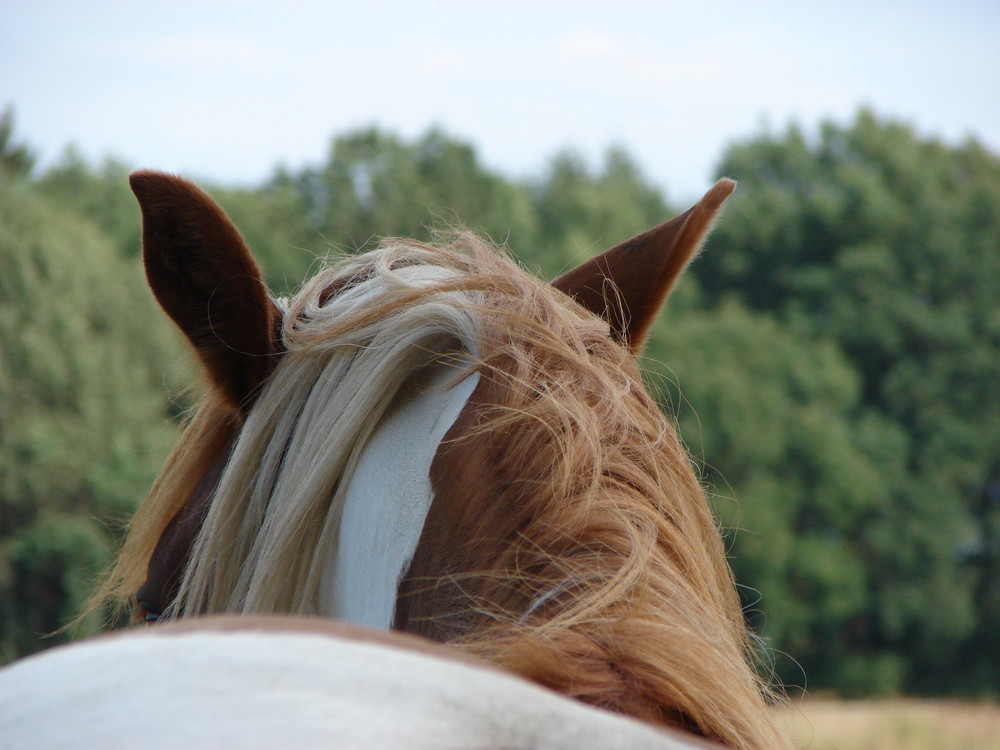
[[427, 439], [292, 682]]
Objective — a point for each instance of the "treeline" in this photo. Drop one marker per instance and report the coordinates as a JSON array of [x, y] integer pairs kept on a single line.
[[833, 359]]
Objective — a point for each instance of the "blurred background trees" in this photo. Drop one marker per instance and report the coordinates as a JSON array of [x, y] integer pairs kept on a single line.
[[885, 246], [83, 405], [833, 359]]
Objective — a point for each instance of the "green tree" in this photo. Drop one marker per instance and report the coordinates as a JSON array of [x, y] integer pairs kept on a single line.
[[376, 185], [101, 194], [888, 244], [16, 159], [581, 214], [775, 416], [82, 407]]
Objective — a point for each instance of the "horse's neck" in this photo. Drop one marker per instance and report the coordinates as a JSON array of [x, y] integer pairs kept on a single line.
[[387, 500]]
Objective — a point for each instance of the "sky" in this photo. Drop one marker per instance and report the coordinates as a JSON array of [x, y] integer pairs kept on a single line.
[[225, 91]]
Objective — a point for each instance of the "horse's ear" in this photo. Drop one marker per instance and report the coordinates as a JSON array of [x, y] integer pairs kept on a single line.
[[628, 284], [204, 277]]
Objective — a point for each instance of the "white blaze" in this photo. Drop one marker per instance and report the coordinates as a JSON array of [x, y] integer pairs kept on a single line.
[[388, 497]]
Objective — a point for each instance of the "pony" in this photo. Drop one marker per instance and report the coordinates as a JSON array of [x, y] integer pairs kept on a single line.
[[426, 438]]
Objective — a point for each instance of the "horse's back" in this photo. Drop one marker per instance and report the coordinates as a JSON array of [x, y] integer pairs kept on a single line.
[[290, 683]]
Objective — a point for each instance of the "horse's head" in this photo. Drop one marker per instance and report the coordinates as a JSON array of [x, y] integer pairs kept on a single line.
[[205, 278], [559, 529]]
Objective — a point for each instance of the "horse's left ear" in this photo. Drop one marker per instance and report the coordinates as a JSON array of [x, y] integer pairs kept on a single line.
[[204, 277], [628, 284]]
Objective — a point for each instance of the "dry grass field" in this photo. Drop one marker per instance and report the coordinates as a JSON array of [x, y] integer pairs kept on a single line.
[[821, 724]]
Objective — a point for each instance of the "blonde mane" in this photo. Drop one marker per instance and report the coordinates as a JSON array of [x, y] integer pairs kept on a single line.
[[277, 509], [582, 555]]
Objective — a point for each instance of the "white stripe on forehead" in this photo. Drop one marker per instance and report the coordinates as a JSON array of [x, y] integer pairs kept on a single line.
[[387, 500]]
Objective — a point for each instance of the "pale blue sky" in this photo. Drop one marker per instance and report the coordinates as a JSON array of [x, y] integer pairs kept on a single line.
[[226, 90]]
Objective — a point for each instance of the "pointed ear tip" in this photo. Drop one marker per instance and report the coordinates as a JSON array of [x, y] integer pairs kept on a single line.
[[144, 175], [719, 191], [142, 181]]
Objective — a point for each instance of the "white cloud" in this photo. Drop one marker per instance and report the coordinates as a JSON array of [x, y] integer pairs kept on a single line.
[[195, 50]]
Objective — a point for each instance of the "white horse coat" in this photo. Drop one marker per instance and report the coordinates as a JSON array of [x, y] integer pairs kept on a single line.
[[290, 683]]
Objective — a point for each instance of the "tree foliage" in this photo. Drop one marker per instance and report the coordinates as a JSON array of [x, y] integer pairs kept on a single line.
[[82, 407], [833, 362], [887, 245]]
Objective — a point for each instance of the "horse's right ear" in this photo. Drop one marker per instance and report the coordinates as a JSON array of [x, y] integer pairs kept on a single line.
[[205, 279]]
